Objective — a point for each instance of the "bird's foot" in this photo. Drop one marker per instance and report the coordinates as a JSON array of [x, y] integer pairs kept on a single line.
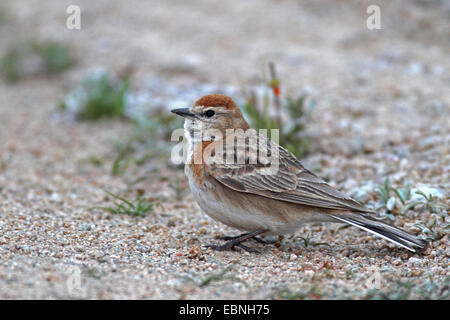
[[236, 241], [257, 239], [264, 241], [228, 238], [232, 246]]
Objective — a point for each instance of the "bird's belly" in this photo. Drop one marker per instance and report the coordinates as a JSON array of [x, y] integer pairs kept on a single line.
[[223, 211], [250, 212]]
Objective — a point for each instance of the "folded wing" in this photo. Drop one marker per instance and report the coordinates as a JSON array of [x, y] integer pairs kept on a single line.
[[286, 180]]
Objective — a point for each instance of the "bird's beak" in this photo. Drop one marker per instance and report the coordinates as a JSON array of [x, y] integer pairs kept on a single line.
[[184, 112]]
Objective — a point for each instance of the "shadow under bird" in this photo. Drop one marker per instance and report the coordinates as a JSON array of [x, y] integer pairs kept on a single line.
[[249, 197]]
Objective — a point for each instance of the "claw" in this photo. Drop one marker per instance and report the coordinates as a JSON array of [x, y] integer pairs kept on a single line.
[[264, 241], [248, 249], [232, 246], [224, 247], [236, 241]]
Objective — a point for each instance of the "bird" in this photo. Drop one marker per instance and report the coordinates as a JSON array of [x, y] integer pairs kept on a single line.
[[268, 195]]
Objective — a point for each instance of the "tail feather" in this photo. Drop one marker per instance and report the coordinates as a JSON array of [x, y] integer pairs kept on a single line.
[[385, 231]]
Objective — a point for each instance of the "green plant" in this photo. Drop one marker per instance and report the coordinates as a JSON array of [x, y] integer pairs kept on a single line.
[[433, 230], [11, 64], [403, 290], [403, 194], [258, 118], [307, 242], [287, 294], [387, 196], [93, 160], [290, 134], [99, 96], [407, 201], [138, 207], [93, 273], [430, 202], [96, 161], [122, 159], [293, 112], [55, 56], [35, 57], [384, 200], [384, 197], [295, 108], [212, 277]]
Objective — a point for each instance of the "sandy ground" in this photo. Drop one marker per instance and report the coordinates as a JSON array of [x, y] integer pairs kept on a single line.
[[383, 110]]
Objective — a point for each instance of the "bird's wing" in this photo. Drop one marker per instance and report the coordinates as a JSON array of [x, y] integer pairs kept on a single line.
[[289, 182]]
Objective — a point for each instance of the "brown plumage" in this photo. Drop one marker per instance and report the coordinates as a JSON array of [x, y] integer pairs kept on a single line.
[[253, 194], [213, 100]]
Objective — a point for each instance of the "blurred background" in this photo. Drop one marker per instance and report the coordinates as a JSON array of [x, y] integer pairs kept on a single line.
[[84, 110], [359, 88]]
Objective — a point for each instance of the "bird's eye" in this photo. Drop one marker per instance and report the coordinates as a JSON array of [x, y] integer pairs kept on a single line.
[[209, 113]]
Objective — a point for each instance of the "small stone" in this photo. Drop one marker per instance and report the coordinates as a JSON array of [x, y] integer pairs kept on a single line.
[[430, 142], [386, 268], [195, 252], [415, 68], [414, 261], [52, 278], [55, 197], [309, 273], [85, 227]]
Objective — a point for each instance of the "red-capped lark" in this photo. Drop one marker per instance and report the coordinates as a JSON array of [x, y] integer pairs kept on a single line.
[[247, 181]]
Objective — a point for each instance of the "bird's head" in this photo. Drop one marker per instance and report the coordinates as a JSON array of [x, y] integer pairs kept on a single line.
[[212, 112]]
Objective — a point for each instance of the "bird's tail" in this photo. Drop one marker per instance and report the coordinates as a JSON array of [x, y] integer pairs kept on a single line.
[[383, 230]]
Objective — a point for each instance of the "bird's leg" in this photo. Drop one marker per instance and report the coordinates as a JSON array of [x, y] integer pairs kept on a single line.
[[248, 249], [263, 241], [227, 238], [237, 241], [257, 239]]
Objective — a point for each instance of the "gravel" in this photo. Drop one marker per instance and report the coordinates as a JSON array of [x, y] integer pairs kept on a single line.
[[382, 103]]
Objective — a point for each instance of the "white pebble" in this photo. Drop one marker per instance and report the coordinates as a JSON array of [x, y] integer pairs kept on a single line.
[[309, 273]]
